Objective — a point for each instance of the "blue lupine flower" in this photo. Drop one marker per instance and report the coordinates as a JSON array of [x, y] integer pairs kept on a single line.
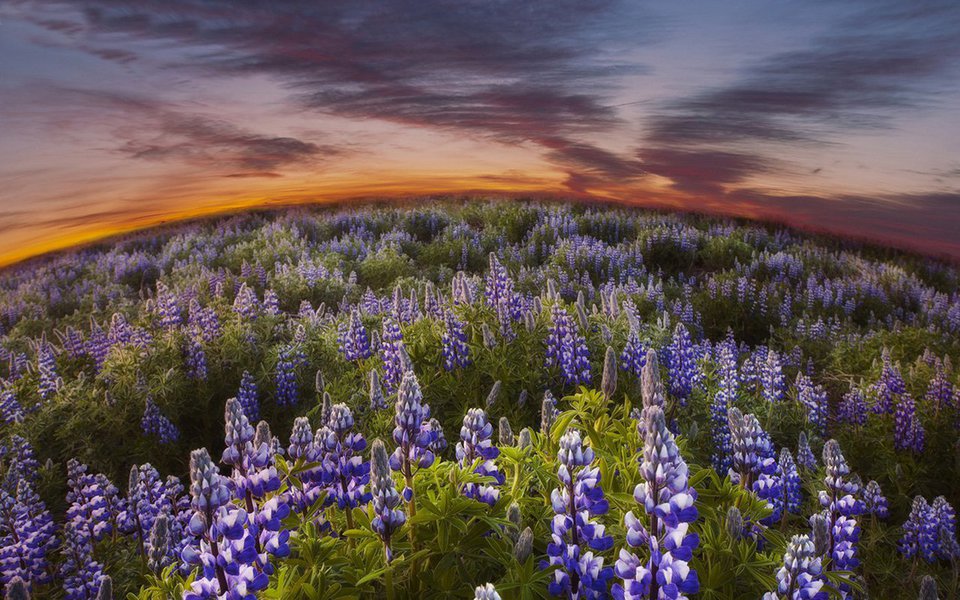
[[225, 550], [27, 536], [22, 464], [476, 446], [411, 433], [391, 351], [841, 506], [853, 408], [805, 456], [10, 409], [874, 500], [908, 432], [579, 497], [722, 457], [389, 517], [81, 574], [48, 380], [91, 499], [314, 478], [456, 353], [290, 358], [246, 303], [247, 395], [156, 424], [792, 486], [352, 339], [754, 461], [146, 499], [681, 361], [342, 448], [940, 392], [814, 398], [772, 381], [634, 355], [888, 386], [668, 500], [921, 532], [500, 295], [947, 547], [800, 577], [167, 307], [196, 358], [567, 348]]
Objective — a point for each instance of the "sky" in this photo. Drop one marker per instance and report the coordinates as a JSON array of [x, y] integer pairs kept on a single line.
[[838, 116]]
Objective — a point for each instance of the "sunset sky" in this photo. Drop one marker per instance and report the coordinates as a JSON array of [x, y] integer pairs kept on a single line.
[[841, 115]]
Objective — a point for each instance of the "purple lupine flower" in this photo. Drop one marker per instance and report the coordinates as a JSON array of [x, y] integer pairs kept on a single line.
[[908, 432], [681, 360], [476, 446], [805, 456], [10, 409], [772, 381], [728, 385], [156, 424], [500, 295], [80, 573], [271, 303], [48, 380], [668, 500], [456, 353], [800, 577], [940, 392], [289, 358], [853, 408], [224, 549], [841, 506], [814, 398], [578, 498], [567, 348], [413, 439], [548, 412], [204, 321], [167, 307], [196, 358], [391, 351], [146, 499], [246, 303], [874, 501], [313, 477], [341, 454], [947, 547], [352, 339], [27, 536], [92, 500], [920, 532], [434, 429], [792, 486], [247, 396], [888, 386], [634, 355], [22, 464], [389, 517]]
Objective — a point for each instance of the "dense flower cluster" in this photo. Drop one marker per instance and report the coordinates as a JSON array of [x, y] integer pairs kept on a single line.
[[386, 501], [456, 353], [680, 358], [341, 455], [581, 574], [754, 464], [412, 432], [352, 338], [392, 352], [800, 576], [567, 348], [476, 447], [841, 507], [290, 358], [156, 424]]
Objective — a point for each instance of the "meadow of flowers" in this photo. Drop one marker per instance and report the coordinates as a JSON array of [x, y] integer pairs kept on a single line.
[[479, 400]]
